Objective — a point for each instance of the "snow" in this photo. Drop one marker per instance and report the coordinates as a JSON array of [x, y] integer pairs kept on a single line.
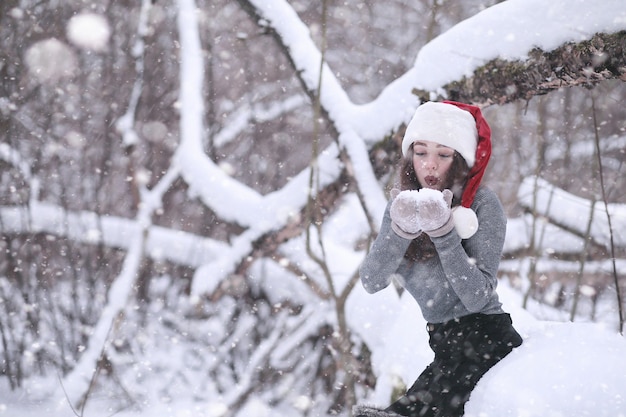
[[509, 31], [573, 212], [413, 198], [50, 60], [562, 369], [547, 236], [89, 31], [426, 195]]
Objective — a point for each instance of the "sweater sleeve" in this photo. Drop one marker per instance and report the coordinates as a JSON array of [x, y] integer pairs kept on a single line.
[[471, 267], [384, 257]]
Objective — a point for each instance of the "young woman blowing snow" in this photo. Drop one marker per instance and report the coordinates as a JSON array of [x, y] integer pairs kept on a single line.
[[441, 237]]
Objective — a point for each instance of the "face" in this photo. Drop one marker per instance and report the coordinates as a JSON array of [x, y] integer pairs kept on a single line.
[[432, 162]]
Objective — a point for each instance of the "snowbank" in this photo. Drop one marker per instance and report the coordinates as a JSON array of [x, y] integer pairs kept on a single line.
[[562, 369]]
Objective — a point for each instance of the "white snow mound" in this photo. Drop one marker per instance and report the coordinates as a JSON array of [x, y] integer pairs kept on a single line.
[[561, 370]]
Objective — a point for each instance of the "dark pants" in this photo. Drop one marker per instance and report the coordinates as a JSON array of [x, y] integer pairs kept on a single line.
[[465, 349]]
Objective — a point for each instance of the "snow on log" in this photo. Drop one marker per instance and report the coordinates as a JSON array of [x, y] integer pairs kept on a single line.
[[561, 369]]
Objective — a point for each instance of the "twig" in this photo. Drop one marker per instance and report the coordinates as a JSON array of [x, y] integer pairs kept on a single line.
[[620, 307], [67, 397]]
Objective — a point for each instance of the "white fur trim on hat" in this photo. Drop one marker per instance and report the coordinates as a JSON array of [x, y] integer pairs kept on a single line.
[[445, 124]]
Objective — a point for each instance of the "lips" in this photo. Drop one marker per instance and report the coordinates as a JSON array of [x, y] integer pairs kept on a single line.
[[431, 181]]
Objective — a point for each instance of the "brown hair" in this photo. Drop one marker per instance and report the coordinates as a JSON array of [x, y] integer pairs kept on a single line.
[[422, 247]]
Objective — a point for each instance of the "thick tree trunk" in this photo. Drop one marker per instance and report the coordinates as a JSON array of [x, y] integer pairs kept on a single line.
[[587, 63]]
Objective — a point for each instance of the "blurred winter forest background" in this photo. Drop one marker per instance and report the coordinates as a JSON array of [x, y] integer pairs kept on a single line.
[[119, 258]]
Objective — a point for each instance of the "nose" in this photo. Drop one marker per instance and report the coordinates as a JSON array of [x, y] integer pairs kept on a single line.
[[430, 163]]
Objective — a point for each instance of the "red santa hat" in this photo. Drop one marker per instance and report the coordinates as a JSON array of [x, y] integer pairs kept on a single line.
[[463, 128]]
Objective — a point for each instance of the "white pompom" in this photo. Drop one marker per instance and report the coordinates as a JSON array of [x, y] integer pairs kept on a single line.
[[465, 221]]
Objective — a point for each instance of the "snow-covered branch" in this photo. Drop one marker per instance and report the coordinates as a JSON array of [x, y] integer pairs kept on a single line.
[[455, 63], [126, 123], [171, 245], [571, 268], [239, 121], [77, 384], [572, 213], [306, 58], [214, 187]]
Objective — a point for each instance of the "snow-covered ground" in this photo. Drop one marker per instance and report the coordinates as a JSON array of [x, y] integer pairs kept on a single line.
[[562, 370]]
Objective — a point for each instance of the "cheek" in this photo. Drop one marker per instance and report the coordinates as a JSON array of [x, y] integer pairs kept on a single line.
[[418, 164], [418, 167], [448, 165]]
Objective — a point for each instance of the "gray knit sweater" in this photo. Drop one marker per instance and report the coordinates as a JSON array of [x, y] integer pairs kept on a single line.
[[460, 280]]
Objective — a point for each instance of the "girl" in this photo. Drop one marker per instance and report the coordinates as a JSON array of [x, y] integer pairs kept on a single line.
[[441, 237]]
